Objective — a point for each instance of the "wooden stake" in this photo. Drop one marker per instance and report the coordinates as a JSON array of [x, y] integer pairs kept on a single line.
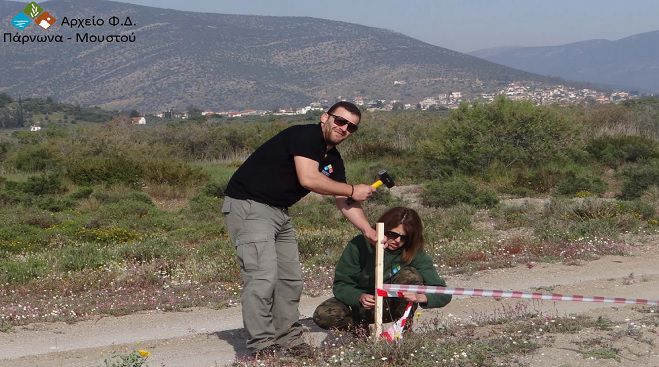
[[379, 269]]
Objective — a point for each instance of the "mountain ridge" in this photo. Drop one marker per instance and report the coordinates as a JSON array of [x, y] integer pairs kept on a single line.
[[224, 61], [629, 62]]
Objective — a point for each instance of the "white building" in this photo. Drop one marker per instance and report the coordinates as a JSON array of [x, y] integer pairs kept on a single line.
[[138, 120]]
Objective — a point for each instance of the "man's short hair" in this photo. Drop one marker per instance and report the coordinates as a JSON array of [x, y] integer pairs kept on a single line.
[[350, 107]]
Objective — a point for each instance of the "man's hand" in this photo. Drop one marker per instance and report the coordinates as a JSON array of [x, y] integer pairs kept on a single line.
[[367, 301], [371, 235], [362, 192], [415, 297]]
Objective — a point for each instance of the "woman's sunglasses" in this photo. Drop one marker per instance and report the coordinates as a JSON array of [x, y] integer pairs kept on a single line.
[[340, 121], [393, 235]]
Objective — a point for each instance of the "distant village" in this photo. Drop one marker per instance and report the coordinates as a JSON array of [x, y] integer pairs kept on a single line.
[[538, 94], [542, 95]]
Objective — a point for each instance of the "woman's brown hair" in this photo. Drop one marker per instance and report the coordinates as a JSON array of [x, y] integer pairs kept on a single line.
[[413, 226]]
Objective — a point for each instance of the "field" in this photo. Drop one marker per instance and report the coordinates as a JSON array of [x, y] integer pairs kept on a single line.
[[106, 221]]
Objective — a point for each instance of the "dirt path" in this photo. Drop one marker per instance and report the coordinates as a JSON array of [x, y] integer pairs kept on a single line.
[[205, 337]]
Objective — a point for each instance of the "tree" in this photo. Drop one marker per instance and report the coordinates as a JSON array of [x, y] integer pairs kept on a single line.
[[194, 113], [20, 118], [5, 99], [4, 118]]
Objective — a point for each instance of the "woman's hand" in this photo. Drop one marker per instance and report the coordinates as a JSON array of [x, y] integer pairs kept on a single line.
[[367, 301], [389, 244], [415, 297]]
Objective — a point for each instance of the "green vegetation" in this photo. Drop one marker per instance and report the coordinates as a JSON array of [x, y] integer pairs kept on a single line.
[[455, 190], [90, 213], [511, 336], [136, 358], [22, 113]]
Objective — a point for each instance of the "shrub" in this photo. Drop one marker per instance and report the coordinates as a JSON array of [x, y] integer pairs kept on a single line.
[[109, 169], [45, 184], [582, 209], [312, 213], [107, 235], [516, 214], [204, 207], [215, 261], [504, 133], [595, 227], [128, 211], [214, 189], [542, 179], [638, 177], [130, 207], [32, 158], [323, 242], [616, 150], [455, 190], [21, 237], [650, 196], [486, 198], [5, 147], [171, 172], [638, 208], [117, 197], [579, 182], [384, 197], [84, 256], [592, 217], [520, 191], [53, 203], [449, 192], [392, 136], [374, 149], [214, 249], [11, 196], [42, 220], [150, 249], [440, 225], [136, 358], [82, 193], [22, 269]]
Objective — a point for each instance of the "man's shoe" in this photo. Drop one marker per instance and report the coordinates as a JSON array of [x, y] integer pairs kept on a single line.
[[303, 350]]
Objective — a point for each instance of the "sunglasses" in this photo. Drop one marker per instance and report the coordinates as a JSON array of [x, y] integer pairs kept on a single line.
[[393, 235], [340, 121]]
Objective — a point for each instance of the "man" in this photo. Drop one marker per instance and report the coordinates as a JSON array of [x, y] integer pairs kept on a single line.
[[280, 172]]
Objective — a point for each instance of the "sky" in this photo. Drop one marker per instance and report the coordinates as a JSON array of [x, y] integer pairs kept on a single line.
[[460, 25]]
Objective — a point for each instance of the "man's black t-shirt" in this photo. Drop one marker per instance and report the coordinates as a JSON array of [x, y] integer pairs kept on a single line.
[[268, 175]]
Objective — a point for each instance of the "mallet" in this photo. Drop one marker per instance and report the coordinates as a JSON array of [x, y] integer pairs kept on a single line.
[[383, 178]]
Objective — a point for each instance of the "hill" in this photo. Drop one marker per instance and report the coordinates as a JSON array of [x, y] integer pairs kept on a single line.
[[224, 61], [629, 63]]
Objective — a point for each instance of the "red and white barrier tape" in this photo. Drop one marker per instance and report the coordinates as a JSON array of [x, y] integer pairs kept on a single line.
[[395, 331], [395, 290]]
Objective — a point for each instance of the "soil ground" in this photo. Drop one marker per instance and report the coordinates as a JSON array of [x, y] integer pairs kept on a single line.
[[206, 337]]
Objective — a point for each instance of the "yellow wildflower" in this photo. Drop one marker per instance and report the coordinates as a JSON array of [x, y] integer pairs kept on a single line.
[[143, 353]]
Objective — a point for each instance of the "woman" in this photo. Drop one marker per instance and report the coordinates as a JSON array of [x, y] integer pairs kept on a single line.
[[405, 262]]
